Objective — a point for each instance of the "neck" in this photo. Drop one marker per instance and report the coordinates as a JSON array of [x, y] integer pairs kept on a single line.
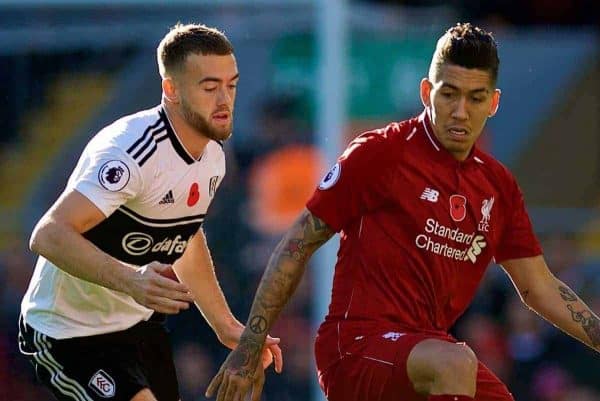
[[460, 156], [192, 140]]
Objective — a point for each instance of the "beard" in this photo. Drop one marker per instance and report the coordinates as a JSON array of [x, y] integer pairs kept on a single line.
[[203, 126]]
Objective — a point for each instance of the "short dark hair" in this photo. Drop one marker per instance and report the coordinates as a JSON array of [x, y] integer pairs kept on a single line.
[[183, 40], [467, 46]]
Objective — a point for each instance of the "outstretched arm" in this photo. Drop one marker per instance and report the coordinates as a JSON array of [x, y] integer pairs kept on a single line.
[[542, 292], [196, 270], [284, 271]]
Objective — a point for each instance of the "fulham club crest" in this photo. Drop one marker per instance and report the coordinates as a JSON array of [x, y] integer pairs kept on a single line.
[[102, 384], [458, 207]]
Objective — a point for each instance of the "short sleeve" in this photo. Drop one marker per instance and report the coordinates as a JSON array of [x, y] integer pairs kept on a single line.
[[518, 239], [107, 176], [356, 184]]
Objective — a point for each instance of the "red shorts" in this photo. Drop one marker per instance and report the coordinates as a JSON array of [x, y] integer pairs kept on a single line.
[[374, 368]]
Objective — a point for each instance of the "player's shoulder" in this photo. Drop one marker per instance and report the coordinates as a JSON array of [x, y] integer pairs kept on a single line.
[[386, 138], [495, 167], [131, 132]]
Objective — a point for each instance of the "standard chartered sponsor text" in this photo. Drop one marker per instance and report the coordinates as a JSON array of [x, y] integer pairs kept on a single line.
[[434, 230]]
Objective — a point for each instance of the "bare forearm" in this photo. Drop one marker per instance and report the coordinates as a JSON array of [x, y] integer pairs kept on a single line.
[[558, 304], [196, 270], [280, 280], [71, 252]]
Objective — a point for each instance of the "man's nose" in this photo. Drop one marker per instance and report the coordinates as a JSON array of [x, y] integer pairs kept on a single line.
[[460, 110], [224, 98]]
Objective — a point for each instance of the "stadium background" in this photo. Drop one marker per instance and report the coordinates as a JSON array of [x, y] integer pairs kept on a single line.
[[68, 67]]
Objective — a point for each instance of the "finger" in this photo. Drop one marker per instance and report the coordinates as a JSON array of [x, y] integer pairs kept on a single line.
[[214, 384], [165, 305], [232, 392], [272, 340], [158, 290], [224, 387], [160, 267], [277, 357], [171, 286], [258, 386], [266, 358], [173, 304]]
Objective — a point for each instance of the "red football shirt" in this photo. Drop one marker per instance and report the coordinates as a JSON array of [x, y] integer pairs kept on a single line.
[[418, 229]]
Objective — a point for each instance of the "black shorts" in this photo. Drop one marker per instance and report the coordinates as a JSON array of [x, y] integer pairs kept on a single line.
[[113, 366]]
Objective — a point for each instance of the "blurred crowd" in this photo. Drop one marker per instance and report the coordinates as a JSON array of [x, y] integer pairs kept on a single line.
[[515, 12]]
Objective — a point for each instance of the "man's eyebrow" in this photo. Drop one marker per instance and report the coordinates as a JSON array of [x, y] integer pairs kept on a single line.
[[473, 91], [217, 80]]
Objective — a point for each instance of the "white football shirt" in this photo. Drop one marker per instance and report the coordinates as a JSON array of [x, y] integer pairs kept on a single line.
[[155, 196]]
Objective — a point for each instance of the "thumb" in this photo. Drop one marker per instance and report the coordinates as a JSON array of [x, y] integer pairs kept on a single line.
[[272, 340], [160, 267]]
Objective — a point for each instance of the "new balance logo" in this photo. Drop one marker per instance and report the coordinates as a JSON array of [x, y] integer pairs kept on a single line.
[[430, 194], [168, 198], [393, 336]]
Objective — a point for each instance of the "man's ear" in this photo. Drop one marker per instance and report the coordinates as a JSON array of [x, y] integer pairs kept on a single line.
[[170, 90], [495, 102], [425, 92]]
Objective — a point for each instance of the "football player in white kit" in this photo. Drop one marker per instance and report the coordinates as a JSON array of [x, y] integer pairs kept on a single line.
[[93, 318]]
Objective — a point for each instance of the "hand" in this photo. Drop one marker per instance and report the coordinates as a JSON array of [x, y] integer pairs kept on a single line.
[[270, 353], [239, 373], [151, 287]]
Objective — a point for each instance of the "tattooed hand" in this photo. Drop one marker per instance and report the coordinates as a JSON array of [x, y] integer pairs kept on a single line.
[[239, 374]]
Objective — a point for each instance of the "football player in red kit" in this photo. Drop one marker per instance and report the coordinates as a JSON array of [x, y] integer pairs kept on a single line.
[[421, 212]]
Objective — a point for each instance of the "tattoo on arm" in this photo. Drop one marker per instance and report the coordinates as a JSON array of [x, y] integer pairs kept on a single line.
[[567, 294], [244, 356], [589, 323], [287, 264], [524, 295], [258, 324], [314, 233], [295, 249]]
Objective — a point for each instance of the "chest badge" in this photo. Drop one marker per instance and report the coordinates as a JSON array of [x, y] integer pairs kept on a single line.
[[458, 207], [486, 212]]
